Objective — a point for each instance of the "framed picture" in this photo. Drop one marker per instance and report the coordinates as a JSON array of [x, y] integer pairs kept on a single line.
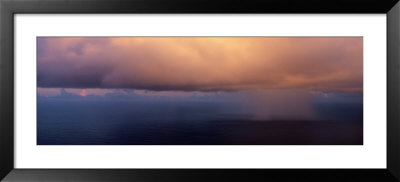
[[201, 90]]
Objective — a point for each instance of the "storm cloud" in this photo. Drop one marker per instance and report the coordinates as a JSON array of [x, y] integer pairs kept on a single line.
[[328, 64]]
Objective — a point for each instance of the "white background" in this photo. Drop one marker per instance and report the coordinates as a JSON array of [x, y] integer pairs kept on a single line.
[[370, 155]]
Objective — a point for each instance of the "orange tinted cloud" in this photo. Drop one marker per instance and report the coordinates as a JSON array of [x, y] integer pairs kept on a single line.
[[85, 92], [329, 64]]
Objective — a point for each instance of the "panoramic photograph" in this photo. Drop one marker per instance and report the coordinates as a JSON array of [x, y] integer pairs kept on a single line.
[[199, 91]]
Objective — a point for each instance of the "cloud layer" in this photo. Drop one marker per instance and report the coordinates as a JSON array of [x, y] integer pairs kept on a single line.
[[329, 64]]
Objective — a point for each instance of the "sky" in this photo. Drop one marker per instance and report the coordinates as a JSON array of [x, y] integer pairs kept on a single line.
[[201, 63], [265, 74]]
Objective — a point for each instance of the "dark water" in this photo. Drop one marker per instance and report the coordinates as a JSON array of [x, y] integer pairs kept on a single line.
[[133, 123]]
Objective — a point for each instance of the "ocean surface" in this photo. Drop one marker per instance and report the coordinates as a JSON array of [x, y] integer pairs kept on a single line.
[[183, 123]]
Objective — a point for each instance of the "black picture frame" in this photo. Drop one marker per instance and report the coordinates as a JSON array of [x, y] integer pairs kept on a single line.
[[8, 8]]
